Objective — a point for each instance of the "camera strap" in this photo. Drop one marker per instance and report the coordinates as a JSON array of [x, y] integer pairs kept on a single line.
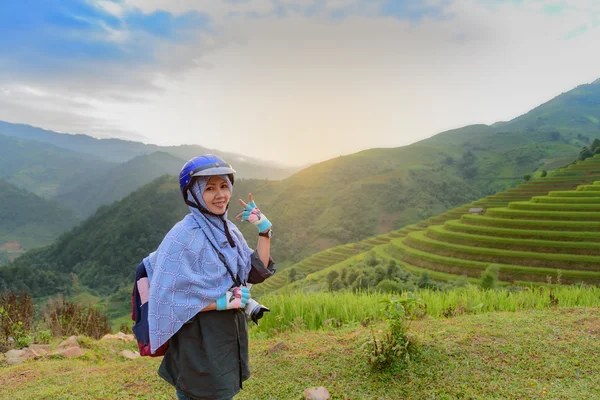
[[236, 281]]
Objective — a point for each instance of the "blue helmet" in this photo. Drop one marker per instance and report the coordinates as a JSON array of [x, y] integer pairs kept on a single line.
[[205, 165]]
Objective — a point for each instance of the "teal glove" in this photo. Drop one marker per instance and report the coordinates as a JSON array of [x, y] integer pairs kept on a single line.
[[236, 298], [253, 215]]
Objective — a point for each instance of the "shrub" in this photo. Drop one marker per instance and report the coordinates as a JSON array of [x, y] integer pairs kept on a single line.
[[371, 259], [392, 347], [389, 286], [125, 328], [489, 277], [64, 318], [16, 318], [331, 276]]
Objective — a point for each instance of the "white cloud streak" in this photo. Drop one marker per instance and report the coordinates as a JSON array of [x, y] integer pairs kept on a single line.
[[299, 89]]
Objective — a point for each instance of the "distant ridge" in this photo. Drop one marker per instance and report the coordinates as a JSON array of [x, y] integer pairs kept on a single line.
[[29, 219], [119, 150]]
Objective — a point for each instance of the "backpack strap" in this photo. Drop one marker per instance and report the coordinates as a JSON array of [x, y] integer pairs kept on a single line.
[[236, 281]]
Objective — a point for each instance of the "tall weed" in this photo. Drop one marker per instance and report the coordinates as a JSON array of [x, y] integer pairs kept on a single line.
[[16, 319], [64, 318], [392, 347], [318, 310]]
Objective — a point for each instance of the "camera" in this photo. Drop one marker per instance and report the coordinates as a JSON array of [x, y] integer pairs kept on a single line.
[[254, 310]]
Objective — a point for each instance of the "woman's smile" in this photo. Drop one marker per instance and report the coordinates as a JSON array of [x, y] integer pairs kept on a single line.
[[216, 195]]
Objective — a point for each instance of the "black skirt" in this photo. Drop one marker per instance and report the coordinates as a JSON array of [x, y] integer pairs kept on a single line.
[[208, 357]]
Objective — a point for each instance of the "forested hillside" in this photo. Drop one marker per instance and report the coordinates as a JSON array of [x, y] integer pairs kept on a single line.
[[342, 200], [29, 219], [119, 181], [82, 173], [104, 250], [44, 169]]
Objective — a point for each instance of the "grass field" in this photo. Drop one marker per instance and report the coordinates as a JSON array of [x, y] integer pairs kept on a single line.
[[541, 354]]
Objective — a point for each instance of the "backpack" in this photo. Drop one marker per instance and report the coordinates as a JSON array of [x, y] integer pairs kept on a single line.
[[139, 314]]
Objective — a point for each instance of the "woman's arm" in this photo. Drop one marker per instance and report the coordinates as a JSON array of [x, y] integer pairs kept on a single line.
[[210, 307], [263, 248]]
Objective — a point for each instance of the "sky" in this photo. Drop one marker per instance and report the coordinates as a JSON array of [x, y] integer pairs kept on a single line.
[[292, 81]]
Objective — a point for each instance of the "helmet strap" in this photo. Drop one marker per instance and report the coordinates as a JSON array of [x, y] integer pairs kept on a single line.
[[203, 210]]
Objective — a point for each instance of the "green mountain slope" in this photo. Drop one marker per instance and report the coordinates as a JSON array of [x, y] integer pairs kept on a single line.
[[446, 246], [119, 182], [29, 219], [577, 109], [104, 250], [346, 199], [44, 169]]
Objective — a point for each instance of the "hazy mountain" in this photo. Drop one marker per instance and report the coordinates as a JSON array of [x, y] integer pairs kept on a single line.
[[29, 219], [113, 150], [576, 111], [246, 167], [119, 181], [119, 151], [44, 169], [341, 200]]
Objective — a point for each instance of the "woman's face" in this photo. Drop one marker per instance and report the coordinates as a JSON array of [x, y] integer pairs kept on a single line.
[[216, 195]]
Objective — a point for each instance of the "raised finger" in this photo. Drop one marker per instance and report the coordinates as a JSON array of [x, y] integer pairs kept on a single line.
[[249, 197], [242, 203]]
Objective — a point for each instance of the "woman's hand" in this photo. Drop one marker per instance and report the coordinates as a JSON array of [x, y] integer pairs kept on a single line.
[[236, 298], [253, 215]]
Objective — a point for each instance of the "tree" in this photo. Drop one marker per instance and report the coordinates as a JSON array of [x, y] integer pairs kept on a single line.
[[331, 276], [585, 153], [595, 145], [292, 275], [544, 173], [336, 285], [526, 177], [371, 259], [489, 277], [467, 166]]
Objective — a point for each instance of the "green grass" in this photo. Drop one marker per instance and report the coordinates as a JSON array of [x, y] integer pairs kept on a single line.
[[538, 206], [440, 233], [566, 200], [492, 255], [315, 311], [458, 226], [544, 352], [578, 226], [471, 268]]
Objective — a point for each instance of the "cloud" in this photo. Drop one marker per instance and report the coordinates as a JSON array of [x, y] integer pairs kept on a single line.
[[48, 40], [19, 104], [305, 79], [580, 30]]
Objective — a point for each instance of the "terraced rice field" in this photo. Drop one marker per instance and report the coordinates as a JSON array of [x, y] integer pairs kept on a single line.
[[553, 238], [561, 183]]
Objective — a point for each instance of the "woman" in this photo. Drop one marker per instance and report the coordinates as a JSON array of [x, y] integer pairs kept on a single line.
[[197, 286]]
